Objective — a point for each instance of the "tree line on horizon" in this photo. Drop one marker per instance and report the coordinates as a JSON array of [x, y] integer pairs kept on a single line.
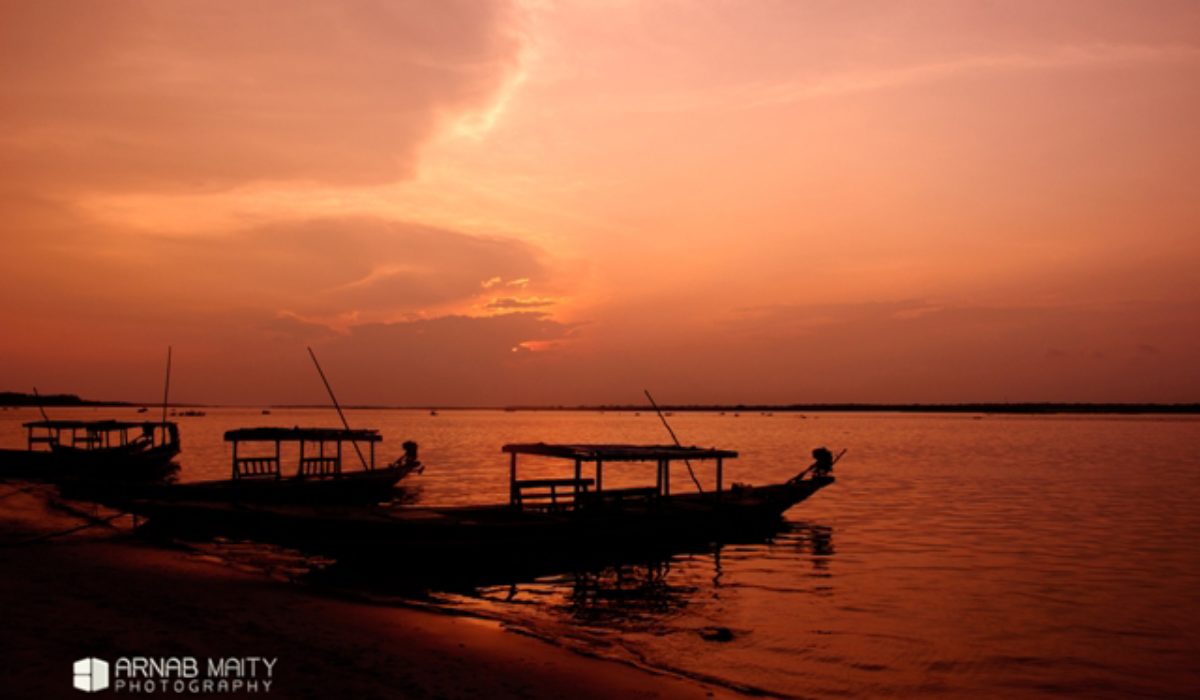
[[17, 398]]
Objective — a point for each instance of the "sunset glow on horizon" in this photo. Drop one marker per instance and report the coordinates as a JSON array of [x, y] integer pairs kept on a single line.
[[496, 203]]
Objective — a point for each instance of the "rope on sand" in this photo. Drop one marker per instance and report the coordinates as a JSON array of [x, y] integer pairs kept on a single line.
[[50, 535], [57, 504], [18, 492]]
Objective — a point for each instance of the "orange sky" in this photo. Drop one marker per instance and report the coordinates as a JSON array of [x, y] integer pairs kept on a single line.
[[541, 202]]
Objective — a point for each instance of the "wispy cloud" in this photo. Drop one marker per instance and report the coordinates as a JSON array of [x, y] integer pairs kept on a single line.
[[875, 78], [185, 96], [519, 303]]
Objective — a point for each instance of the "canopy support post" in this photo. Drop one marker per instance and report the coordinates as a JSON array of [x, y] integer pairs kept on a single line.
[[719, 469], [512, 479]]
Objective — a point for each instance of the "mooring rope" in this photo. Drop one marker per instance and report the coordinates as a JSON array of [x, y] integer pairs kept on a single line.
[[59, 533]]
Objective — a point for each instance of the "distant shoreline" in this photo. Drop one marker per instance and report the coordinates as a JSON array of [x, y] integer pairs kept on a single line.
[[17, 399], [897, 408]]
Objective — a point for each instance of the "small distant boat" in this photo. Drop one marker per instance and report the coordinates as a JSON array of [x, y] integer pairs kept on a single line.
[[143, 409], [266, 412], [544, 517], [191, 413], [433, 413], [109, 450]]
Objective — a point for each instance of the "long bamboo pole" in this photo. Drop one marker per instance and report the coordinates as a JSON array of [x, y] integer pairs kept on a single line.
[[40, 409], [166, 390], [338, 406], [686, 461]]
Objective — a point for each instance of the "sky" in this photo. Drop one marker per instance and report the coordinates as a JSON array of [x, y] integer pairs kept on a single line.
[[467, 202]]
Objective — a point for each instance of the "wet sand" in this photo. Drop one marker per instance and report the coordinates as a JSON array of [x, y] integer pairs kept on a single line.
[[101, 591]]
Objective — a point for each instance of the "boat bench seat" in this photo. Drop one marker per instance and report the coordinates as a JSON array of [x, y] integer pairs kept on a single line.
[[256, 468], [320, 466], [548, 494]]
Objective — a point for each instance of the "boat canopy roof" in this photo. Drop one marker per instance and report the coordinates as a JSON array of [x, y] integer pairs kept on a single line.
[[618, 453], [95, 425], [299, 434]]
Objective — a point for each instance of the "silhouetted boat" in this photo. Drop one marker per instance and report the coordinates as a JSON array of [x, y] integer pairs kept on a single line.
[[542, 517], [319, 476], [93, 450]]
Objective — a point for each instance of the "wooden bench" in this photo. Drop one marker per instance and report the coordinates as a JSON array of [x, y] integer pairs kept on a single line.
[[256, 468], [320, 466], [548, 494]]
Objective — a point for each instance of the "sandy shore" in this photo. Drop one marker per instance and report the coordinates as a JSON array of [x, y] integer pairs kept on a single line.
[[100, 591]]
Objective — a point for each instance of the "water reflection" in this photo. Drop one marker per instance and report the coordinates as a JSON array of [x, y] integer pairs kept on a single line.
[[814, 540], [626, 595], [604, 589], [644, 592]]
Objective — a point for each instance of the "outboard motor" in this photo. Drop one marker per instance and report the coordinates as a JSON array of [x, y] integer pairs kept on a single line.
[[822, 462], [822, 466], [410, 456]]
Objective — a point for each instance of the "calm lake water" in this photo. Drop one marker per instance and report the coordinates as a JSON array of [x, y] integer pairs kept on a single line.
[[957, 555]]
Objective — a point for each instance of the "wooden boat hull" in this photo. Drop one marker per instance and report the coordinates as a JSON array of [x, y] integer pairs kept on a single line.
[[375, 486], [26, 464], [69, 464], [125, 463], [482, 534], [362, 487]]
